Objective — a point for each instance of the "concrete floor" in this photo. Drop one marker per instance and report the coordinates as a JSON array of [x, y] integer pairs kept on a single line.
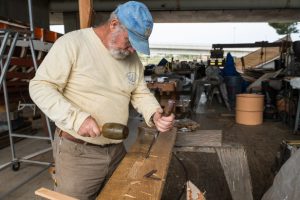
[[261, 142], [9, 179]]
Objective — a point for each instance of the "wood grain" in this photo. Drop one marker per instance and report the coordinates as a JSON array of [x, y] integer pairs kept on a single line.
[[128, 181], [49, 194], [208, 138], [235, 165], [258, 57], [85, 13]]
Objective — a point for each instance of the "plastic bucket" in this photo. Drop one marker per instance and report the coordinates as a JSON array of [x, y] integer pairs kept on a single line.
[[249, 109], [234, 87]]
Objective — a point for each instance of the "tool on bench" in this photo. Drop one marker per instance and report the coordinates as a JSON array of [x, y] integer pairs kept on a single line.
[[167, 112], [115, 131], [151, 175]]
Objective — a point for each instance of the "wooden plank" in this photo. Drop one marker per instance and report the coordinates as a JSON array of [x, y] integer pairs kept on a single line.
[[49, 194], [17, 83], [257, 84], [208, 138], [163, 87], [20, 75], [236, 170], [24, 62], [195, 149], [258, 57], [128, 181], [85, 13]]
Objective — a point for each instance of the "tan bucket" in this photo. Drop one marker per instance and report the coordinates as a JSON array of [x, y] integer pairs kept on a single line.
[[249, 109]]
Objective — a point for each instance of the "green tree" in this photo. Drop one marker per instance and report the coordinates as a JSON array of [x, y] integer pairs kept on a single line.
[[285, 28]]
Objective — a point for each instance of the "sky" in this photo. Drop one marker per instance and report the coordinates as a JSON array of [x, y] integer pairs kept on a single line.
[[209, 33]]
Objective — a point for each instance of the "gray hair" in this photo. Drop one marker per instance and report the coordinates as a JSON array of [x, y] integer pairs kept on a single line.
[[114, 16]]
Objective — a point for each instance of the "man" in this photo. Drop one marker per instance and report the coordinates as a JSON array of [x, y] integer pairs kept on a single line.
[[87, 79]]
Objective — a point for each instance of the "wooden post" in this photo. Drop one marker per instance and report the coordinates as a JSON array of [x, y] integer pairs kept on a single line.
[[85, 13]]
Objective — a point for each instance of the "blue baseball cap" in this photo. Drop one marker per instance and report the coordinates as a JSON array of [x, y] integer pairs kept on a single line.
[[138, 21]]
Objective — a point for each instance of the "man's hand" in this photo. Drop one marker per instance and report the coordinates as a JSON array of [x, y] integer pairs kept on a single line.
[[162, 123], [89, 128]]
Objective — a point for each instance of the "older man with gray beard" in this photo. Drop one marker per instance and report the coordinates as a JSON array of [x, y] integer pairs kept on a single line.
[[87, 79]]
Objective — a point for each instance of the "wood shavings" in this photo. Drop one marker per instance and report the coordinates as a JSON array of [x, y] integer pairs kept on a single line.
[[127, 195], [193, 193], [146, 193], [135, 182]]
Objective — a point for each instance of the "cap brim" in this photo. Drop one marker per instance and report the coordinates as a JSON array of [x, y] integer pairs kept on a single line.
[[139, 44]]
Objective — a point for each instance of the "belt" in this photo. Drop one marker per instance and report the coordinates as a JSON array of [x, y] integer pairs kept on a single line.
[[71, 138]]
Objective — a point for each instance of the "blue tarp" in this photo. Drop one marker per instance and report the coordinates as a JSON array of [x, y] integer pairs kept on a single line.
[[229, 68]]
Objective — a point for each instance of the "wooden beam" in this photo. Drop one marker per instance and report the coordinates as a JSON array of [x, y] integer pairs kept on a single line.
[[20, 75], [235, 165], [200, 138], [85, 13], [24, 62], [128, 181], [49, 194]]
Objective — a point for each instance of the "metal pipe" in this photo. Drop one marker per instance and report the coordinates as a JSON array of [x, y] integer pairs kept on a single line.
[[9, 55], [30, 18], [32, 54], [35, 162], [252, 45], [49, 129], [13, 152], [30, 136], [3, 44], [37, 153], [5, 165]]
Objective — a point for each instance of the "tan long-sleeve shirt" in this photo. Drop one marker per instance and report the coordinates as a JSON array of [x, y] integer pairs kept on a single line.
[[79, 78]]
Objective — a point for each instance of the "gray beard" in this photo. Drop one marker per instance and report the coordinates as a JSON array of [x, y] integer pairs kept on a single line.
[[118, 54]]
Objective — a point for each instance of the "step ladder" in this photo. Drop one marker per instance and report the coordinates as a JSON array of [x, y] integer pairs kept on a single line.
[[9, 39]]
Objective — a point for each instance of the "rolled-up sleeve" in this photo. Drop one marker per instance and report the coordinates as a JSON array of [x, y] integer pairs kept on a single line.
[[144, 101], [46, 88]]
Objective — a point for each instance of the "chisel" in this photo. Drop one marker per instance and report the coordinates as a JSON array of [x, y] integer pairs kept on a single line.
[[167, 112]]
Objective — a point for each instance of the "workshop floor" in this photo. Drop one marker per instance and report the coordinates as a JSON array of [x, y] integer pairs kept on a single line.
[[261, 142], [204, 169]]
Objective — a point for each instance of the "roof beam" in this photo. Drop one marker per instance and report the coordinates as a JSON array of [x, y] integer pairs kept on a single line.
[[85, 13]]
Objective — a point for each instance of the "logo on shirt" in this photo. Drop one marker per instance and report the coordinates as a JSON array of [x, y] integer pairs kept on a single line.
[[131, 77]]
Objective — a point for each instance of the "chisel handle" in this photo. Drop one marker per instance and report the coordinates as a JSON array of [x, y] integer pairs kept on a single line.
[[169, 108]]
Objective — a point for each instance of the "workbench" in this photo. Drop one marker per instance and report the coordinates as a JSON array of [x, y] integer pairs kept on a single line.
[[163, 91], [128, 181]]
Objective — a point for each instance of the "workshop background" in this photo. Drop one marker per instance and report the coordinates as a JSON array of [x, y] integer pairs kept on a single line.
[[232, 67]]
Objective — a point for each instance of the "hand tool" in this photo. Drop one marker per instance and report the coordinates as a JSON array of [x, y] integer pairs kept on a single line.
[[167, 112], [115, 131], [151, 175]]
